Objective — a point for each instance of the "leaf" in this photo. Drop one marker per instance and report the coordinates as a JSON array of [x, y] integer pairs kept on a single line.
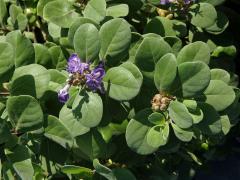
[[115, 37], [90, 146], [118, 10], [87, 108], [134, 70], [220, 74], [4, 132], [22, 22], [54, 30], [73, 125], [220, 25], [194, 77], [203, 15], [197, 115], [3, 11], [165, 72], [149, 52], [72, 169], [42, 55], [58, 133], [6, 59], [76, 24], [161, 26], [23, 48], [30, 80], [86, 42], [25, 113], [40, 6], [20, 158], [58, 57], [174, 42], [179, 114], [226, 125], [157, 118], [219, 95], [197, 51], [59, 12], [121, 84], [158, 135], [182, 134], [211, 123], [136, 133], [95, 10], [103, 170]]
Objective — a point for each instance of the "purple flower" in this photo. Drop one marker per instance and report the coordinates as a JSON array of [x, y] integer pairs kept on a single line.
[[63, 95], [75, 65], [94, 79], [164, 2]]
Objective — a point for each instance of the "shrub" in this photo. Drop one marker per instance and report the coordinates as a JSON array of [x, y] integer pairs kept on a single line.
[[140, 89]]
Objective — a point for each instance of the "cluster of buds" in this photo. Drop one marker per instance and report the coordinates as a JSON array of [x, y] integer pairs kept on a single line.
[[80, 74], [182, 2], [165, 13], [161, 101]]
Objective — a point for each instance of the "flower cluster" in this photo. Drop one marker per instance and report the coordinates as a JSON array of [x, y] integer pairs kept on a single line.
[[80, 74], [161, 101], [164, 2]]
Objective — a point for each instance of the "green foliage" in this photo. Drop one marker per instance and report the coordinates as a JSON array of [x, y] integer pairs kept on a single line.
[[159, 99]]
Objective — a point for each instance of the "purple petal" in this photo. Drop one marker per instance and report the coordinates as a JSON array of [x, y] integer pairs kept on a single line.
[[73, 63], [63, 95]]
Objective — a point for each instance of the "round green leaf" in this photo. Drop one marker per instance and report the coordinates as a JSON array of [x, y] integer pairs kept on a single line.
[[161, 26], [197, 115], [32, 80], [220, 25], [197, 51], [157, 118], [165, 72], [3, 11], [118, 10], [42, 55], [6, 58], [95, 10], [219, 95], [23, 48], [194, 77], [76, 24], [121, 84], [73, 125], [179, 114], [88, 109], [136, 133], [61, 13], [158, 135], [115, 36], [220, 74], [134, 70], [86, 42], [211, 123], [20, 159], [40, 6], [149, 53], [203, 15], [25, 113], [58, 133], [182, 134]]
